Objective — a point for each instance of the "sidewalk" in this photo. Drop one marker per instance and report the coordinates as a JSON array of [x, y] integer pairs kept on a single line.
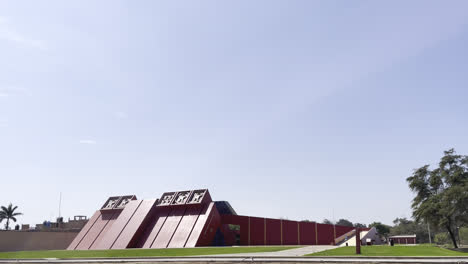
[[296, 252]]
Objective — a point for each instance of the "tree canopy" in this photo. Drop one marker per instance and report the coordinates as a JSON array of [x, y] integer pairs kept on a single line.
[[382, 229], [403, 226], [442, 193], [344, 222], [360, 225]]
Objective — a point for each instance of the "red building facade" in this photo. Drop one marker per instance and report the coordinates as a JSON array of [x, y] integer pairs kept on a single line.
[[403, 239], [191, 219]]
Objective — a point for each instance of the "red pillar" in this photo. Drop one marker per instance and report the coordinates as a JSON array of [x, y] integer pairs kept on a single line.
[[358, 241]]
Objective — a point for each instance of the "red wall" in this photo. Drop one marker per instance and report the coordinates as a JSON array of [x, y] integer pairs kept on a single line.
[[325, 234], [307, 233], [211, 222], [257, 231], [283, 232], [229, 235], [290, 234], [273, 234], [402, 240], [240, 220]]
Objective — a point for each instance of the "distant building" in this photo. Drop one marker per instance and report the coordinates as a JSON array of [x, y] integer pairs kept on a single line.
[[368, 237], [46, 236], [74, 225], [403, 239]]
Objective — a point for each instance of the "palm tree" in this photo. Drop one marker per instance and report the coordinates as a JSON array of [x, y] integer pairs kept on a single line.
[[8, 213]]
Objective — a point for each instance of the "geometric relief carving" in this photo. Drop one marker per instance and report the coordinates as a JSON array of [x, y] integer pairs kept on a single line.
[[124, 200], [166, 199], [117, 202], [181, 197], [197, 197], [111, 202]]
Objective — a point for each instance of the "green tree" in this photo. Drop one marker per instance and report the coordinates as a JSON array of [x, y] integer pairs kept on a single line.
[[360, 225], [382, 229], [442, 239], [326, 221], [463, 235], [8, 213], [442, 194], [344, 222], [403, 226]]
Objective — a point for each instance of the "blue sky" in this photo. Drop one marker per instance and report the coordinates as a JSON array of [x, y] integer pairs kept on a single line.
[[296, 109]]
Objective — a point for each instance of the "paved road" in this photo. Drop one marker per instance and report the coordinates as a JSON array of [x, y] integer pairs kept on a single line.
[[296, 252], [224, 260]]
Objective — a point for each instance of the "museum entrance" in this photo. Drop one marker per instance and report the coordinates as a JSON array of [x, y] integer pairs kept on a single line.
[[236, 230]]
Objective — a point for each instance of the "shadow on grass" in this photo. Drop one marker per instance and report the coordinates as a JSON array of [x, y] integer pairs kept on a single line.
[[464, 250]]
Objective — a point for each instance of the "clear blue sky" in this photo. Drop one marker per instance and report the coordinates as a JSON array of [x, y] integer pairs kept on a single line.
[[297, 109]]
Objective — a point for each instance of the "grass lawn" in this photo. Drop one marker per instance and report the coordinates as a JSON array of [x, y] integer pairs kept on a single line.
[[410, 251], [165, 252]]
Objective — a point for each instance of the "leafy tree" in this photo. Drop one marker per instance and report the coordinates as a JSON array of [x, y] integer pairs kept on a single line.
[[344, 222], [403, 226], [442, 239], [326, 221], [8, 213], [442, 194], [383, 230], [463, 233], [360, 225]]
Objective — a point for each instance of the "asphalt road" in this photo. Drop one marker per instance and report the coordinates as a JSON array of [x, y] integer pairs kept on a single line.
[[214, 259]]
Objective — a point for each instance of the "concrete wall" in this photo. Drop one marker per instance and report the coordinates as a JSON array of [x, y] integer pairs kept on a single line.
[[21, 240]]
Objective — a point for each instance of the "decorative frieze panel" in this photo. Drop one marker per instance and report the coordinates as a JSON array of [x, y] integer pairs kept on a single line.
[[183, 197], [117, 202]]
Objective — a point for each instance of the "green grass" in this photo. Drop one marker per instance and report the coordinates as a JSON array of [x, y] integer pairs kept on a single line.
[[409, 251], [125, 253]]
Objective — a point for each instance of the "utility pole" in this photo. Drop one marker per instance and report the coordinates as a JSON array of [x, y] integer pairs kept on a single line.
[[358, 241]]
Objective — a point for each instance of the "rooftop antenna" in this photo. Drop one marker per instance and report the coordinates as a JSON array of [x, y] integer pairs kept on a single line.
[[60, 205]]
